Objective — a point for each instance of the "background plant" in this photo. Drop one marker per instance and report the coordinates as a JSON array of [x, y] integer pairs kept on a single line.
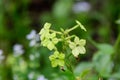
[[61, 55]]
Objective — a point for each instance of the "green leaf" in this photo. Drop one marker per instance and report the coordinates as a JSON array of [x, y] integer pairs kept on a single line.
[[115, 75], [84, 66], [103, 63], [105, 48]]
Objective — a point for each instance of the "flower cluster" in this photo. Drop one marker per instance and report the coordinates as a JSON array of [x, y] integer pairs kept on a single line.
[[49, 38]]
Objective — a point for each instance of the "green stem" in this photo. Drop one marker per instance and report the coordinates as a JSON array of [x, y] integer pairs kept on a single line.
[[117, 41], [70, 37], [69, 66], [116, 55], [56, 32], [67, 31], [93, 42]]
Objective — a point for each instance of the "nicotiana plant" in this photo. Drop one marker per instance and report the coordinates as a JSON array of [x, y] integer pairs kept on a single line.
[[62, 44]]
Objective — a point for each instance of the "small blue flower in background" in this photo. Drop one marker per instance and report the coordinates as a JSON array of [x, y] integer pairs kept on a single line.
[[41, 77], [1, 56], [81, 7], [18, 50], [15, 77], [31, 75], [33, 37]]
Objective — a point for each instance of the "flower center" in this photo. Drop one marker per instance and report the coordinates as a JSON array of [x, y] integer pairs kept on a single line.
[[77, 45]]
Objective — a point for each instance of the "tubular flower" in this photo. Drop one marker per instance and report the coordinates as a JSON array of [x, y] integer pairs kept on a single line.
[[81, 26], [57, 59], [77, 46]]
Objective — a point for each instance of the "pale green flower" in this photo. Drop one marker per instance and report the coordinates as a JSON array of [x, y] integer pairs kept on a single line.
[[45, 31], [77, 46], [50, 41], [81, 26], [57, 59]]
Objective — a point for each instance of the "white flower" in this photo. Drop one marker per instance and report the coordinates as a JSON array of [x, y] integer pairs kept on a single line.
[[31, 75], [1, 56], [1, 52], [15, 77], [32, 43], [32, 57], [41, 77], [18, 50], [81, 7], [33, 37]]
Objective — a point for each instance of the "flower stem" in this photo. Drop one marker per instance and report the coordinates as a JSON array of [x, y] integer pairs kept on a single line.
[[116, 55], [55, 31], [67, 31], [70, 37]]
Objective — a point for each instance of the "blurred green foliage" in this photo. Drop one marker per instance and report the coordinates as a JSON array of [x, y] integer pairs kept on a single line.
[[19, 17]]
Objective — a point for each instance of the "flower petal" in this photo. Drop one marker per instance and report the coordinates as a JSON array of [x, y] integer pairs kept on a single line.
[[50, 45], [42, 31], [72, 45], [76, 40], [56, 53], [75, 52], [81, 49], [45, 42], [82, 42], [54, 63], [61, 56], [61, 62], [47, 25], [55, 40], [52, 57], [52, 35]]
